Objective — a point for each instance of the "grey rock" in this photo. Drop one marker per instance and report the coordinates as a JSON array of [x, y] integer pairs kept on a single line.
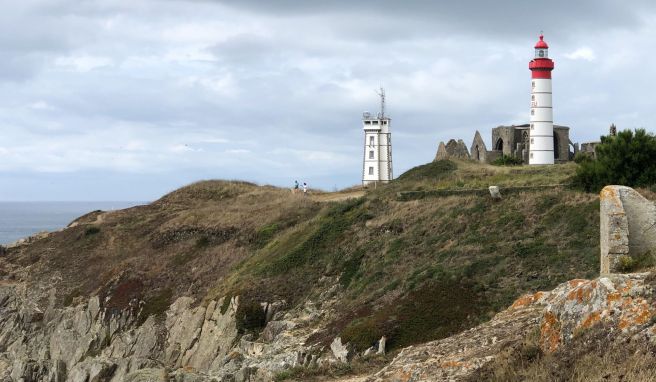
[[342, 352], [147, 375], [382, 343], [494, 192], [274, 328]]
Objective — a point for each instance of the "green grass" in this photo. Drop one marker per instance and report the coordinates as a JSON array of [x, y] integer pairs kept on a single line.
[[320, 241]]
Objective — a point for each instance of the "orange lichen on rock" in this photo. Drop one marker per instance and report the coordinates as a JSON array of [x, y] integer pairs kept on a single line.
[[635, 313], [581, 294], [610, 194], [549, 332], [452, 364], [527, 300], [626, 288], [590, 320], [612, 298], [576, 282]]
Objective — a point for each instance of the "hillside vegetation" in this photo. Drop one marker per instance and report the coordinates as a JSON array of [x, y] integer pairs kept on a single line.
[[411, 270]]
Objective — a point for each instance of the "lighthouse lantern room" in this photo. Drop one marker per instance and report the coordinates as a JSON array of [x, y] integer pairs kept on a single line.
[[541, 147]]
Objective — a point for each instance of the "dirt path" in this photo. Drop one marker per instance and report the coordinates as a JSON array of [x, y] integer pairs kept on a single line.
[[337, 196]]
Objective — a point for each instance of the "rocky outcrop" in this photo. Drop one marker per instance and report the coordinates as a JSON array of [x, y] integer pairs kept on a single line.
[[628, 226], [623, 302], [452, 150], [190, 342]]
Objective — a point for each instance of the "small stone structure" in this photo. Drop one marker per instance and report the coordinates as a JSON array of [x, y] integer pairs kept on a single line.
[[515, 141], [627, 226], [452, 150], [590, 148], [494, 192]]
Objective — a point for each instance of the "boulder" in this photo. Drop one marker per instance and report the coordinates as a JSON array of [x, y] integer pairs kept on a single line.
[[494, 192]]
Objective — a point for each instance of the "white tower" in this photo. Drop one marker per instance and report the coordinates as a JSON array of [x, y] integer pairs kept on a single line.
[[541, 147], [377, 165]]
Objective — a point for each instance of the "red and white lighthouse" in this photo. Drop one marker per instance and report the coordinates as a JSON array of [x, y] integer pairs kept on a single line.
[[541, 148]]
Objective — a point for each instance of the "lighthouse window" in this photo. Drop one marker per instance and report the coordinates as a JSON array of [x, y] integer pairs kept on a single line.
[[371, 154], [532, 111], [531, 155], [532, 126], [533, 84], [532, 98], [371, 140], [371, 170], [367, 122], [375, 122], [532, 141]]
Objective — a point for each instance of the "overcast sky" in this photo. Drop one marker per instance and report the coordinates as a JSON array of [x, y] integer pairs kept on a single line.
[[127, 100]]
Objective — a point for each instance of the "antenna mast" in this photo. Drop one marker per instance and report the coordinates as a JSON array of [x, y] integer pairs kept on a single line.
[[382, 102]]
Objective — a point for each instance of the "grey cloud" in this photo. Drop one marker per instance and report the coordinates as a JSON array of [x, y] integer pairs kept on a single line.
[[120, 90]]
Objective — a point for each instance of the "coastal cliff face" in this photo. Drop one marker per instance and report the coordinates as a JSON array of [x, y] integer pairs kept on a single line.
[[189, 342], [203, 343]]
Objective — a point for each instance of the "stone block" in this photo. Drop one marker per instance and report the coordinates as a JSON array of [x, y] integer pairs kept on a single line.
[[627, 226]]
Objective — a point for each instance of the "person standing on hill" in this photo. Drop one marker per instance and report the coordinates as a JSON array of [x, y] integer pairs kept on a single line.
[[305, 188], [295, 190]]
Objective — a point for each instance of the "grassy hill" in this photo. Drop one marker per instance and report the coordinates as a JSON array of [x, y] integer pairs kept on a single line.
[[411, 270]]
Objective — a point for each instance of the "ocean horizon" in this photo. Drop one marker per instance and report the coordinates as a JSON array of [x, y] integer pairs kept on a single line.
[[22, 219]]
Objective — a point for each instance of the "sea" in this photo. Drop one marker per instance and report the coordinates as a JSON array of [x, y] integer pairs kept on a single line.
[[22, 219]]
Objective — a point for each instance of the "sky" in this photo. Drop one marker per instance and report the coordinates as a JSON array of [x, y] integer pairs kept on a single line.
[[128, 100]]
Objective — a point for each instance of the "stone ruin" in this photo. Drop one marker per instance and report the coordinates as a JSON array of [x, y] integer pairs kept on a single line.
[[515, 141], [452, 150], [627, 227]]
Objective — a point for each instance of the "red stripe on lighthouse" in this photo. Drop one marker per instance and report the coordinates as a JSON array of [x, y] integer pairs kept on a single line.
[[542, 74]]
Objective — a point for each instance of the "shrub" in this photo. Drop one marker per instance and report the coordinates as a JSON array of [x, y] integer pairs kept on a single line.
[[250, 317], [629, 159], [91, 231], [157, 304], [625, 263], [507, 160], [581, 157]]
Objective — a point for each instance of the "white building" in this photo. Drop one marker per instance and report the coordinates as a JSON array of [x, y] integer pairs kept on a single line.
[[541, 132], [377, 160]]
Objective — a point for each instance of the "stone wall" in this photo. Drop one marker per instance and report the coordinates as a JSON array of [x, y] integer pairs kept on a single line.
[[627, 226], [561, 150], [478, 149]]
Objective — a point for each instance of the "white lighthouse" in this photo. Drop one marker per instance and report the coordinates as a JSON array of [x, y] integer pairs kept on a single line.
[[377, 162], [541, 147]]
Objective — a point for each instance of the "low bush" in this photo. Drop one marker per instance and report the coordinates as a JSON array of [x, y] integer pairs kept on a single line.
[[250, 317], [507, 160], [91, 231], [629, 159]]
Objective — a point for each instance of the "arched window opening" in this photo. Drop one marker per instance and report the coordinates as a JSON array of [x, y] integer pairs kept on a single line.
[[499, 145]]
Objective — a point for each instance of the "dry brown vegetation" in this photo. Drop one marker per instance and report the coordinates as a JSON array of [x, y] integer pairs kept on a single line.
[[598, 354]]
